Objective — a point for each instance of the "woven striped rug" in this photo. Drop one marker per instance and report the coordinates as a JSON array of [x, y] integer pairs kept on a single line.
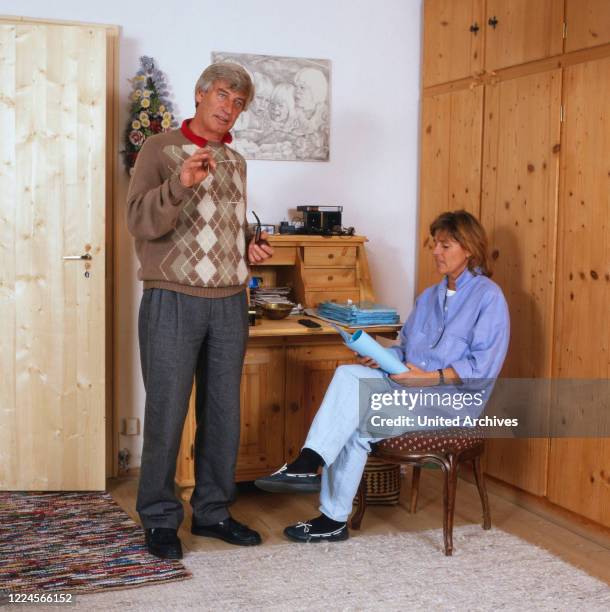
[[74, 542]]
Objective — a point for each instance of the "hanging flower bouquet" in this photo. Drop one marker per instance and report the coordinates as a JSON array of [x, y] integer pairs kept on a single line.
[[150, 111]]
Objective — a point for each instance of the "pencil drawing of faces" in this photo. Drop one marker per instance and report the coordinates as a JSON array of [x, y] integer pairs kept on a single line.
[[281, 106], [291, 101], [311, 88], [301, 147], [262, 93]]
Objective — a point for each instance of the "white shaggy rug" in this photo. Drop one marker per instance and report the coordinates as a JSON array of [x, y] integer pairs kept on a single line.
[[489, 570]]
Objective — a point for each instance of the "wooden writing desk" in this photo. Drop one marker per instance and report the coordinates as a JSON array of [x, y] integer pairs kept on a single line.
[[288, 366]]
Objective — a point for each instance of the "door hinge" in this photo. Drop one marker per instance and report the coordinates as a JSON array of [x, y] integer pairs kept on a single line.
[[562, 114], [564, 30]]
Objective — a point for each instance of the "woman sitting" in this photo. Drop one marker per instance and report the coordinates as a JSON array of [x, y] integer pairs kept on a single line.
[[458, 330]]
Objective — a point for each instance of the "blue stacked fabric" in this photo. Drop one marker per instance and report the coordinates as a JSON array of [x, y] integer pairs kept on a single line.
[[361, 314]]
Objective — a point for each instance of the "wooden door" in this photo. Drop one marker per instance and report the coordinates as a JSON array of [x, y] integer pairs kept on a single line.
[[453, 40], [450, 166], [518, 210], [309, 370], [579, 469], [52, 205], [519, 31], [261, 448], [588, 23]]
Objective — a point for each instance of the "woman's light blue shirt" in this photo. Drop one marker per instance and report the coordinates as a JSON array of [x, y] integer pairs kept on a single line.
[[468, 331]]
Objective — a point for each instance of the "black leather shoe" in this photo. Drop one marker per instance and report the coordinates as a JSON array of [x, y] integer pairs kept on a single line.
[[283, 481], [163, 543], [230, 531]]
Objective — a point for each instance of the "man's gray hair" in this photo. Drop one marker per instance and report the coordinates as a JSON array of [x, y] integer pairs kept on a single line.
[[238, 78]]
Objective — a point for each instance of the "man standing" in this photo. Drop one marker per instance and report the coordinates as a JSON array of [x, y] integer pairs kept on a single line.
[[186, 208]]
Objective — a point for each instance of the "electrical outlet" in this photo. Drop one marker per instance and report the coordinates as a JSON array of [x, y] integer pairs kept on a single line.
[[131, 426]]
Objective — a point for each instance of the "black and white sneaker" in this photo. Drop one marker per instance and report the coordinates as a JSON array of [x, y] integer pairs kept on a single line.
[[283, 481], [306, 532]]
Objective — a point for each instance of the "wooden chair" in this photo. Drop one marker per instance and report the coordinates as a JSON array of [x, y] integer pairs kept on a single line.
[[447, 448]]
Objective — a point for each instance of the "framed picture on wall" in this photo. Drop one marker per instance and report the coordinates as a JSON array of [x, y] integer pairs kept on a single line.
[[289, 117]]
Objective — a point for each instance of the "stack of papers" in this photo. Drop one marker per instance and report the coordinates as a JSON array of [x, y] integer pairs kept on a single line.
[[358, 314], [270, 295]]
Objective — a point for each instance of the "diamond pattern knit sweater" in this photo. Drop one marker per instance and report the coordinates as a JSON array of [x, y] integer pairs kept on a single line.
[[190, 240]]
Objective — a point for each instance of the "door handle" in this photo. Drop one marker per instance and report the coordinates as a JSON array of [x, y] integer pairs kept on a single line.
[[86, 257]]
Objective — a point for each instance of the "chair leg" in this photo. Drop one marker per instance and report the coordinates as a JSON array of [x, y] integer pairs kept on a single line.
[[356, 519], [450, 474], [478, 476], [415, 489]]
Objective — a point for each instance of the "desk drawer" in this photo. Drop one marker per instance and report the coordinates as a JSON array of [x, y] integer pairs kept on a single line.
[[332, 256], [313, 298], [282, 256], [330, 277]]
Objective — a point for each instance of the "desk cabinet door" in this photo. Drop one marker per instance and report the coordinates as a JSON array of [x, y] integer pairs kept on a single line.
[[309, 370], [262, 419], [262, 412]]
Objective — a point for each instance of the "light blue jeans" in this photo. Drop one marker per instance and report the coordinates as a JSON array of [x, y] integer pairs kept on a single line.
[[337, 435], [343, 429]]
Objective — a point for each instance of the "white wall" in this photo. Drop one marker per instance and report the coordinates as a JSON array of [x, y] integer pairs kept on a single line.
[[374, 48]]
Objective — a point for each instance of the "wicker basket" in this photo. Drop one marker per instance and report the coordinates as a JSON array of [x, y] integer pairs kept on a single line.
[[382, 482]]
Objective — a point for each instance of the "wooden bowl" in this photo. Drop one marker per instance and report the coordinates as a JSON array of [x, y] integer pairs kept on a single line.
[[277, 310]]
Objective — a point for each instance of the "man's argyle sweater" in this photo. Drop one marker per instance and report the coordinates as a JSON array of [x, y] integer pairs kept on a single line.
[[190, 240]]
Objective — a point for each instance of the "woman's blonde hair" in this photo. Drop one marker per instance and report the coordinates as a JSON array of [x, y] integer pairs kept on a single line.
[[466, 230]]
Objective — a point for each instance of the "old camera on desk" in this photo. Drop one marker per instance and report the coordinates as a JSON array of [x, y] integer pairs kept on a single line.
[[320, 219]]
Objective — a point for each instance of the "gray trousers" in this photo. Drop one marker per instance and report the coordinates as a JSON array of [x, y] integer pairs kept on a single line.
[[184, 337]]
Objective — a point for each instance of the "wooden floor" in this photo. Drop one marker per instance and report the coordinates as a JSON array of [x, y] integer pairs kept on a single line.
[[574, 541]]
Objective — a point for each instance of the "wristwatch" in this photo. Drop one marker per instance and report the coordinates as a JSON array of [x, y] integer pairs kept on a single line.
[[441, 377]]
